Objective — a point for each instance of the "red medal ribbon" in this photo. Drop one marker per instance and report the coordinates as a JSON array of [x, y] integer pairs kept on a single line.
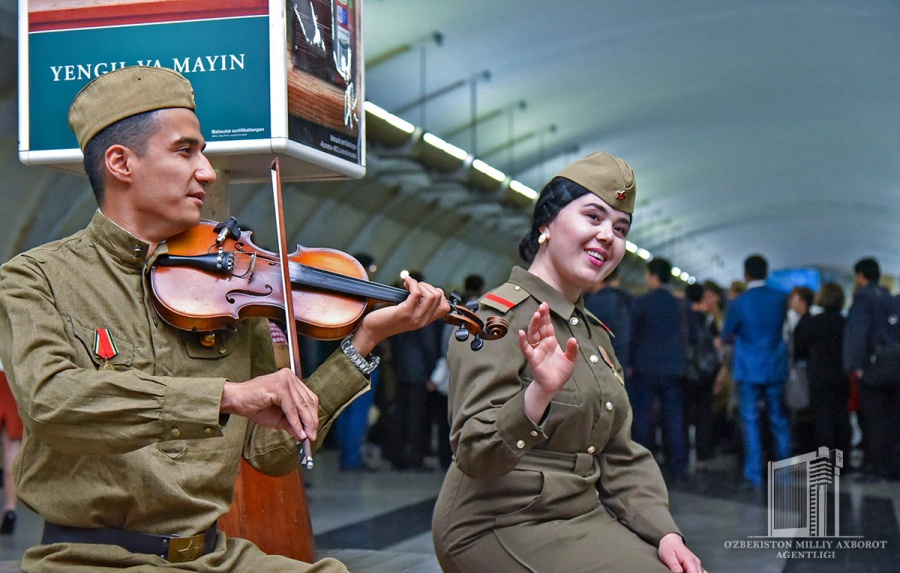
[[104, 346]]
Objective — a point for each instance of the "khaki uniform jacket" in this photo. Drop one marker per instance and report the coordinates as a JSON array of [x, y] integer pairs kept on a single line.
[[139, 448], [578, 472]]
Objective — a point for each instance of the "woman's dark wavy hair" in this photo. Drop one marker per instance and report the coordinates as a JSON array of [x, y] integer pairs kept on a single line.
[[554, 196]]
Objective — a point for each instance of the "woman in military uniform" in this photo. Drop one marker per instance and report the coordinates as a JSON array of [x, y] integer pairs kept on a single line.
[[545, 475]]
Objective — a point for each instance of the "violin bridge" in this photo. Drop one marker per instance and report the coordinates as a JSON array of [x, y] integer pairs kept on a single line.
[[248, 273]]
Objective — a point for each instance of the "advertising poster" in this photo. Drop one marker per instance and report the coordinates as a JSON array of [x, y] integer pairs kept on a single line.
[[324, 102], [225, 55], [269, 76]]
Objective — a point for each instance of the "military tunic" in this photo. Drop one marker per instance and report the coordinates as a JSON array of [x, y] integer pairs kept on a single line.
[[138, 447], [572, 494]]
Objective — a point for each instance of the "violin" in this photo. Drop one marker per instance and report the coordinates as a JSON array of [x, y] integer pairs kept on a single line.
[[213, 276]]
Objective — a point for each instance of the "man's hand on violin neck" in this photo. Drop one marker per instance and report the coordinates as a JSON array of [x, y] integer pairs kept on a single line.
[[424, 305], [278, 400]]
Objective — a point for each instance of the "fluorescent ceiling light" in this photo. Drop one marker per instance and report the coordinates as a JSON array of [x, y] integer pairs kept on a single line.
[[488, 170], [392, 119], [439, 143], [523, 189]]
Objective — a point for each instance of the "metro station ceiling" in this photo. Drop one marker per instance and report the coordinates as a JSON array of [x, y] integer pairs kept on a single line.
[[766, 127], [769, 126]]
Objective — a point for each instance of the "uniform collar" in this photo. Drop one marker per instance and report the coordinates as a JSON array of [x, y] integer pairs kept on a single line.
[[545, 293], [119, 242]]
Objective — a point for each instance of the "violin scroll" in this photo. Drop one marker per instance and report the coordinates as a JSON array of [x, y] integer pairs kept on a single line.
[[468, 322]]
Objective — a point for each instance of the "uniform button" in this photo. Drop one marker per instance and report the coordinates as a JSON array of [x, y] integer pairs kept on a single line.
[[222, 350], [609, 406], [573, 320], [591, 449], [534, 433], [520, 444], [517, 287], [208, 431], [175, 432], [594, 359]]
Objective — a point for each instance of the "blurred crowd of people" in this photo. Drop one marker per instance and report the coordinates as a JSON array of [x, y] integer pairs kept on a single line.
[[748, 371], [758, 372]]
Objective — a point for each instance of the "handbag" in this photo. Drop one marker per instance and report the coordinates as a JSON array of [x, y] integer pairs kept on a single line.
[[796, 391]]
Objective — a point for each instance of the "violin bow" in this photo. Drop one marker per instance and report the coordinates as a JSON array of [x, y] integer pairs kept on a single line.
[[305, 453]]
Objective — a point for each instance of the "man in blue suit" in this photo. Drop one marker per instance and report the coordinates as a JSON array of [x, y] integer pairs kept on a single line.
[[658, 361], [754, 322]]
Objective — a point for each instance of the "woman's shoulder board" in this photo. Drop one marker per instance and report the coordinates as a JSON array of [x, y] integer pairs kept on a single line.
[[504, 298]]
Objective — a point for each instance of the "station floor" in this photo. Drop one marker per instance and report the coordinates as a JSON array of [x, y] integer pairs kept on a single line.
[[380, 522]]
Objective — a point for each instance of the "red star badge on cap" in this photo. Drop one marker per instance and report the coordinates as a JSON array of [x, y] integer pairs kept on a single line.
[[620, 195]]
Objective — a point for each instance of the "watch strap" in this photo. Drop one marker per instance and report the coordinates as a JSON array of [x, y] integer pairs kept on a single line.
[[364, 365]]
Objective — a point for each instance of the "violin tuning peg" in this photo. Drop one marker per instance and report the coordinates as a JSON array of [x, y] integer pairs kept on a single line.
[[455, 297], [472, 305], [462, 334], [477, 343]]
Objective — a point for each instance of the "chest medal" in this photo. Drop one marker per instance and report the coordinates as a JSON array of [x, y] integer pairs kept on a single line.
[[105, 348], [609, 363]]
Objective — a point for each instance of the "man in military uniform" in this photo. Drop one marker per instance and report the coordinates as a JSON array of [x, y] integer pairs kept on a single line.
[[135, 429]]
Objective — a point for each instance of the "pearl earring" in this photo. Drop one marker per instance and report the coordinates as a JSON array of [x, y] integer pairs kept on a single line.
[[543, 238]]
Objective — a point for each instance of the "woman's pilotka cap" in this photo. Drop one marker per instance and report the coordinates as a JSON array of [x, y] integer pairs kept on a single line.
[[123, 93], [607, 177]]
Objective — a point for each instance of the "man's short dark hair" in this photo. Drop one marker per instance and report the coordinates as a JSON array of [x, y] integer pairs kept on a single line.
[[694, 292], [660, 268], [868, 268], [132, 132], [756, 267]]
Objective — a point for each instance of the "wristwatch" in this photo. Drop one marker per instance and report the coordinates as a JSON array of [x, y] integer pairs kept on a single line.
[[364, 365]]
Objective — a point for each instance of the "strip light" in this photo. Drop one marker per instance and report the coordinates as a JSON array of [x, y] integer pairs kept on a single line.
[[392, 119], [448, 148], [522, 189], [489, 171]]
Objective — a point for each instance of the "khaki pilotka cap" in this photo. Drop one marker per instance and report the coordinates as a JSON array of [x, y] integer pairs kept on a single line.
[[607, 177], [123, 93]]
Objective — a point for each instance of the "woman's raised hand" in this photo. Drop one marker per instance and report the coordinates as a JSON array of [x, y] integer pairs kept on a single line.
[[551, 366]]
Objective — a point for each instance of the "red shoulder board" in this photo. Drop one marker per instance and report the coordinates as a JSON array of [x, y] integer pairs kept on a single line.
[[507, 304]]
